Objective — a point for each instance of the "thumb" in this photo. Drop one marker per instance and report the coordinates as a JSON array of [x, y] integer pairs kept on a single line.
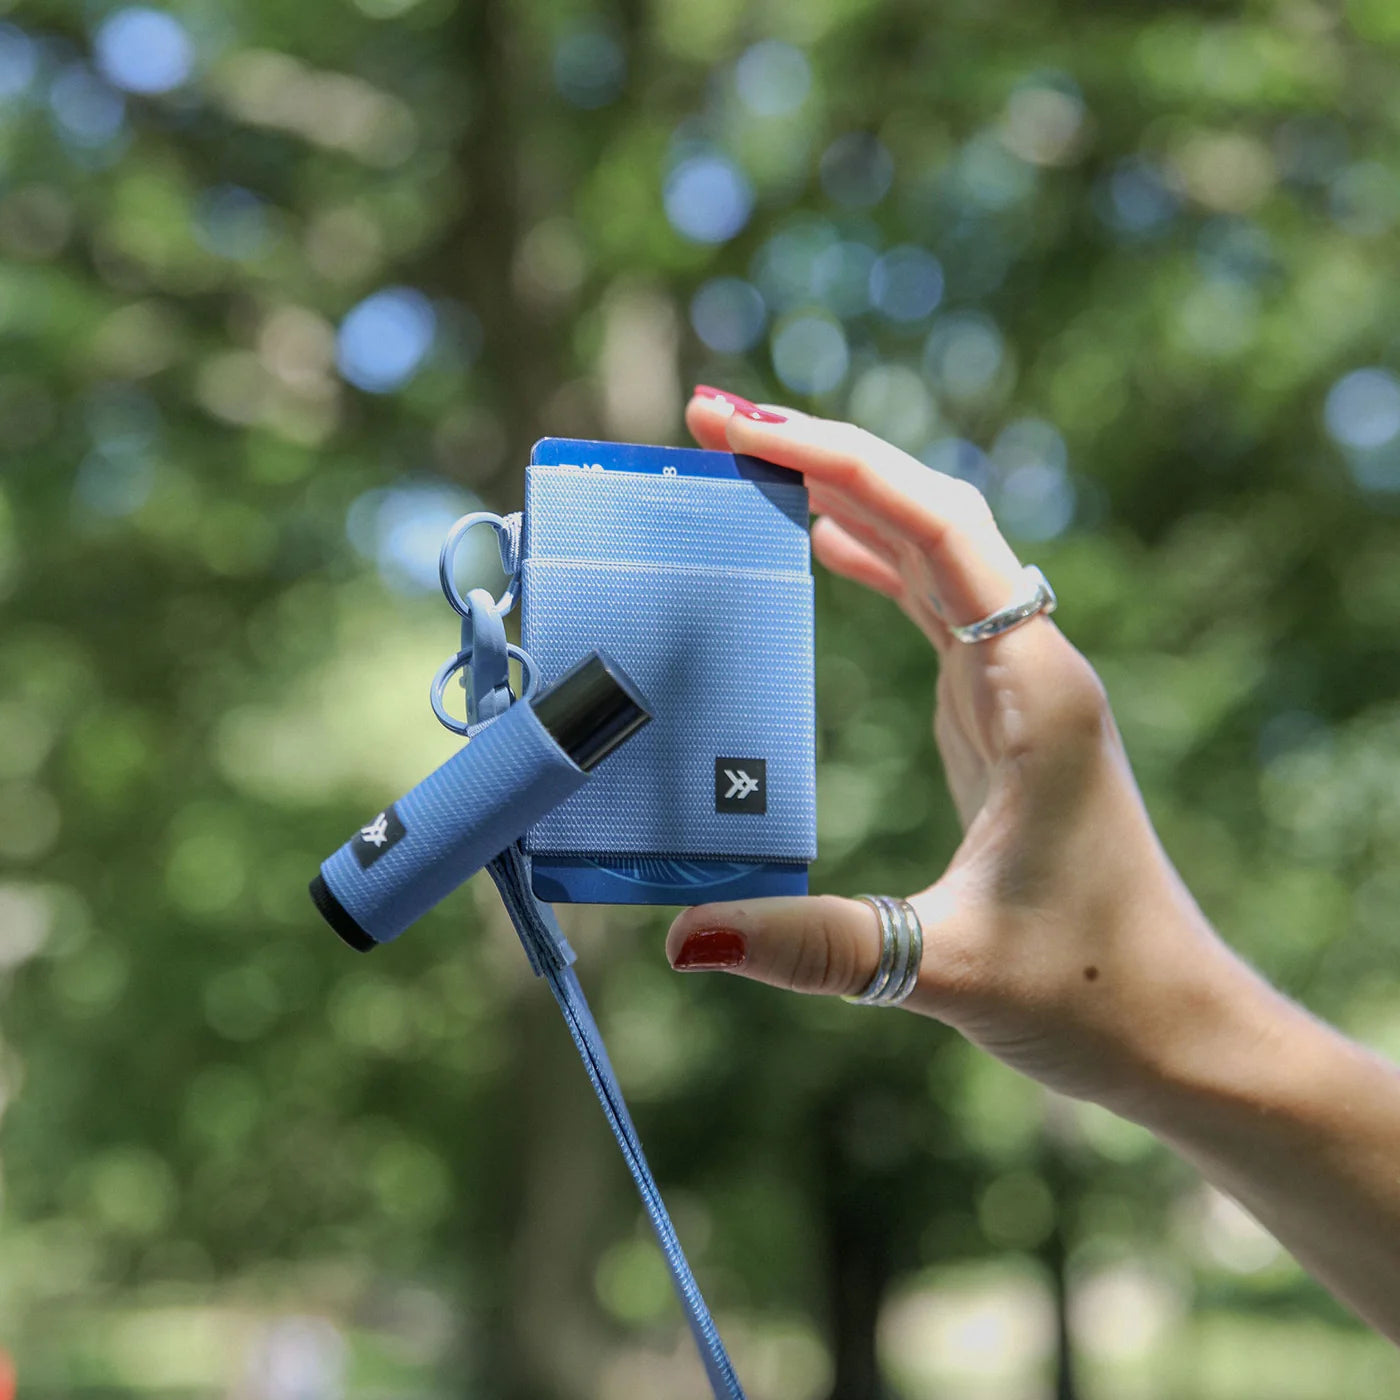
[[825, 943]]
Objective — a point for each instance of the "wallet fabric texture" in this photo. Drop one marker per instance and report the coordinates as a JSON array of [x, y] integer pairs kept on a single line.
[[701, 587]]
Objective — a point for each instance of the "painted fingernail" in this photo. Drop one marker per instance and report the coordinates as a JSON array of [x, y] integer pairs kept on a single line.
[[740, 404], [736, 401], [712, 949]]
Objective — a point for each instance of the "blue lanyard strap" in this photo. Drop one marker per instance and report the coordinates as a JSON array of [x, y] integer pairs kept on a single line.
[[485, 650], [552, 958]]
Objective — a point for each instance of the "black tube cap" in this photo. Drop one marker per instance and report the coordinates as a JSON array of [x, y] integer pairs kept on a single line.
[[336, 915], [592, 708]]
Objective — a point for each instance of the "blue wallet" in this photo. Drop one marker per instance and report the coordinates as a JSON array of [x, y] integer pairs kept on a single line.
[[693, 569]]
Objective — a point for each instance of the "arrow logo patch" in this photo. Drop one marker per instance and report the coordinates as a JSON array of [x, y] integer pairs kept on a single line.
[[741, 785], [377, 837]]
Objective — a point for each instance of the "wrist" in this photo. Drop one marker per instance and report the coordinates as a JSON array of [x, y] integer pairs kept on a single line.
[[1235, 1053], [1296, 1122]]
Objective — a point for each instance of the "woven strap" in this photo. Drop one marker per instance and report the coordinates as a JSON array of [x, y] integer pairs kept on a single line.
[[552, 958], [488, 697]]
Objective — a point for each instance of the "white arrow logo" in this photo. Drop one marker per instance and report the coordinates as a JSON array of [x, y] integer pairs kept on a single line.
[[741, 785], [377, 832]]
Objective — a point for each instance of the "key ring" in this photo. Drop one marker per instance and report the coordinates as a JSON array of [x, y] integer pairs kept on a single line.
[[507, 542], [450, 667]]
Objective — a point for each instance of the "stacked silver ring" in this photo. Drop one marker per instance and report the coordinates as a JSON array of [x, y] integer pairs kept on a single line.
[[901, 952]]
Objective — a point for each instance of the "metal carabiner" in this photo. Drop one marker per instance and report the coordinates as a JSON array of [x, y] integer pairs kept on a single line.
[[508, 545], [449, 668]]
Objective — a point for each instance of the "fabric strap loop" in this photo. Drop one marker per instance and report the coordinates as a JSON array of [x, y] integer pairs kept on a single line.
[[552, 958]]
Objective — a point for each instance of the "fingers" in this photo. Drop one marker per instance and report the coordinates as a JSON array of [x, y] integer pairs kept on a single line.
[[843, 554], [939, 531], [822, 944], [705, 417], [886, 558], [846, 539]]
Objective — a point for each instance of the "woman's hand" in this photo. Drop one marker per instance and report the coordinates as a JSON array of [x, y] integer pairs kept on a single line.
[[1059, 938]]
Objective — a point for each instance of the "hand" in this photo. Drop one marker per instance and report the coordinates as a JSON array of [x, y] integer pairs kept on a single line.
[[1059, 938]]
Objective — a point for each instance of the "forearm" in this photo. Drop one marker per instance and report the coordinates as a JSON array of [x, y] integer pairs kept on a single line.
[[1298, 1124]]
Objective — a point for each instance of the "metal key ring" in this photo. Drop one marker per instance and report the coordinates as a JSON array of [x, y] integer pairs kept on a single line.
[[447, 559], [449, 668]]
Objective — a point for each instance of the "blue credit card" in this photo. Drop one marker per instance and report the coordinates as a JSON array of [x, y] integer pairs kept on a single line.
[[703, 594], [588, 455], [657, 880]]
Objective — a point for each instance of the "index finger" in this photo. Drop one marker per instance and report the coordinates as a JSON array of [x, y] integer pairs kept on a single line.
[[956, 552]]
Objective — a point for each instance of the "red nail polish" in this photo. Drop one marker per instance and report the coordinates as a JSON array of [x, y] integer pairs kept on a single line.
[[741, 405], [738, 401], [712, 949]]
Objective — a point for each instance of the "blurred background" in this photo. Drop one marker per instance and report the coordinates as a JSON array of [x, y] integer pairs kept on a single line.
[[286, 287]]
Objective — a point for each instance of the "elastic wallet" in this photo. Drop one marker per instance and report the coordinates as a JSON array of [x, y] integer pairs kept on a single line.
[[693, 569]]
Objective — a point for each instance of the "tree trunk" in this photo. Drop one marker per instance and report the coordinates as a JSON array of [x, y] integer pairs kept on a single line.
[[857, 1221], [522, 349], [1054, 1254]]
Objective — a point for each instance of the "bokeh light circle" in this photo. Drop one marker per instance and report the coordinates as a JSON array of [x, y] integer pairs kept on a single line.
[[401, 529], [383, 340], [906, 284], [19, 61], [1035, 502], [113, 483], [772, 78], [728, 314], [1135, 200], [1030, 441], [143, 50], [1034, 496], [841, 278], [963, 355], [987, 176], [892, 401], [708, 198], [1363, 409], [786, 269], [87, 112], [1236, 248], [1044, 119], [810, 354], [1365, 198]]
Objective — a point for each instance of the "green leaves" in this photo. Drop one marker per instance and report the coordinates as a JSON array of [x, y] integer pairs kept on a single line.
[[1141, 250]]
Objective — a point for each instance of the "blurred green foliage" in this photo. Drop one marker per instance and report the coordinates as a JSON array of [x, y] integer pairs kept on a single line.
[[287, 287]]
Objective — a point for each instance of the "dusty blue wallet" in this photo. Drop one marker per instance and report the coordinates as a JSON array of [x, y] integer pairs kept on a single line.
[[693, 569]]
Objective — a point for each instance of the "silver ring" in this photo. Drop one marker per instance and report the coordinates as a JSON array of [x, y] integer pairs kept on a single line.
[[901, 952], [1040, 598]]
